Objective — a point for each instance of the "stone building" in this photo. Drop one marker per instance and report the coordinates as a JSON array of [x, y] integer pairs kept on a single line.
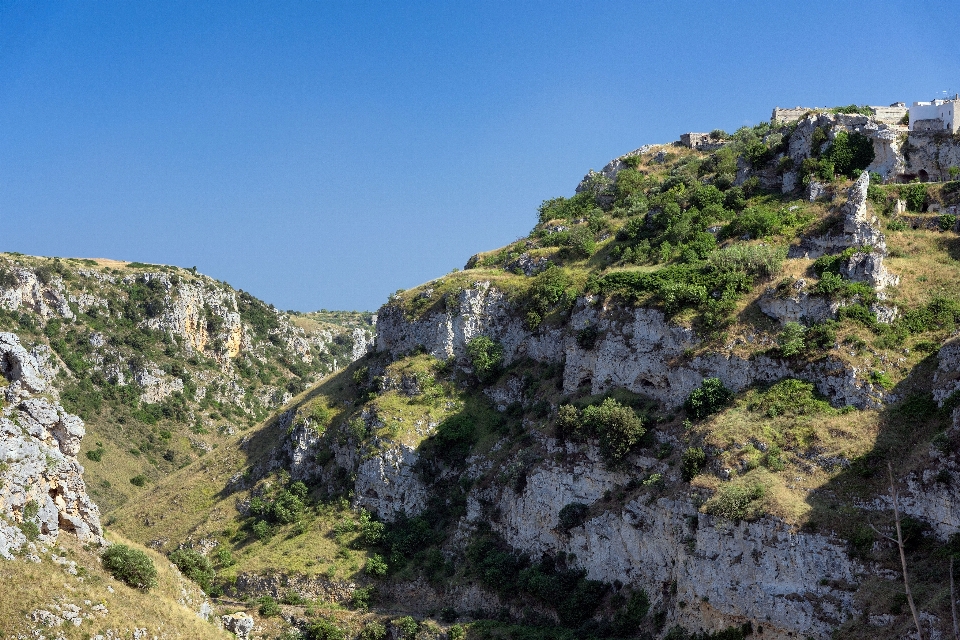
[[700, 141]]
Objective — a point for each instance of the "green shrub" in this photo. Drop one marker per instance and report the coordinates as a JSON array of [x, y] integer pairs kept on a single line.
[[195, 566], [131, 566], [790, 397], [915, 195], [759, 261], [269, 607], [324, 629], [692, 462], [791, 339], [572, 515], [406, 627], [376, 566], [262, 530], [95, 455], [707, 399], [627, 620], [735, 501], [374, 631], [896, 225], [569, 422], [486, 356], [882, 379], [457, 632], [138, 480], [850, 152], [616, 426], [362, 596], [947, 222]]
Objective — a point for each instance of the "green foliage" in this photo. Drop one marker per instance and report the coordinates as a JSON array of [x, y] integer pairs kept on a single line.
[[269, 607], [627, 620], [757, 261], [373, 631], [790, 397], [261, 318], [850, 152], [735, 500], [406, 626], [791, 339], [567, 591], [261, 530], [882, 379], [453, 439], [616, 426], [131, 566], [139, 480], [572, 515], [223, 556], [195, 566], [550, 289], [579, 206], [323, 629], [915, 195], [95, 455], [762, 222], [376, 566], [692, 462], [284, 506], [486, 356], [947, 222], [362, 597], [707, 399]]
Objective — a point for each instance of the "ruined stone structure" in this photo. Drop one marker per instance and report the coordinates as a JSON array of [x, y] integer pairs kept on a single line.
[[701, 141]]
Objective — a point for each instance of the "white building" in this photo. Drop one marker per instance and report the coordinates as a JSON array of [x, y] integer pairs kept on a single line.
[[938, 115]]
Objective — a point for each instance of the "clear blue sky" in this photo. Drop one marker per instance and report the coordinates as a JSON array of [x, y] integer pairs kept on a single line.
[[325, 154]]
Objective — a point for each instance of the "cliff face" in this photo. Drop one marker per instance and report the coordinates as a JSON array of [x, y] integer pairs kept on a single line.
[[42, 491]]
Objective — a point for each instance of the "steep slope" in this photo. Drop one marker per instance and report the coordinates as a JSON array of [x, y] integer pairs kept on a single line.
[[161, 362], [50, 531], [668, 412]]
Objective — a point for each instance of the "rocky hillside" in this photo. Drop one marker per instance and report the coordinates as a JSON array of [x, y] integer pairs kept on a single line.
[[674, 410], [161, 362]]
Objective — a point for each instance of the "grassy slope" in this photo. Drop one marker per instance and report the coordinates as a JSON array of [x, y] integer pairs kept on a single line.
[[40, 586]]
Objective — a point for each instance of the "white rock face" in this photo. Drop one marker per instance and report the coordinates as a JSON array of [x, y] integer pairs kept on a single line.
[[761, 571], [479, 310], [797, 305], [29, 292], [387, 483], [239, 624], [41, 480]]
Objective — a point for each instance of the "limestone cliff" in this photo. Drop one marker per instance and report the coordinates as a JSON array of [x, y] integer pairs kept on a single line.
[[42, 491]]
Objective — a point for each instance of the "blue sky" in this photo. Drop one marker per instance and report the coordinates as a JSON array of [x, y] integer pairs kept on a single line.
[[324, 155]]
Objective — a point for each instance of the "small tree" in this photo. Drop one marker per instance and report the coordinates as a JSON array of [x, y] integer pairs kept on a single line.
[[616, 426], [707, 399], [195, 566], [130, 566], [791, 339], [486, 356]]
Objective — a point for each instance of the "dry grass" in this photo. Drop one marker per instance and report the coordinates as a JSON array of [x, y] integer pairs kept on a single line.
[[43, 585]]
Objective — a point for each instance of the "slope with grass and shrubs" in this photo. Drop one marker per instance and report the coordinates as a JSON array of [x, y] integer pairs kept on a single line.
[[605, 429]]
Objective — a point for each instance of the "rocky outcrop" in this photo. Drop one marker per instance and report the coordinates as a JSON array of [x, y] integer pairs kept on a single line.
[[240, 624], [34, 290], [796, 305], [41, 485], [387, 483], [763, 572], [478, 310]]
